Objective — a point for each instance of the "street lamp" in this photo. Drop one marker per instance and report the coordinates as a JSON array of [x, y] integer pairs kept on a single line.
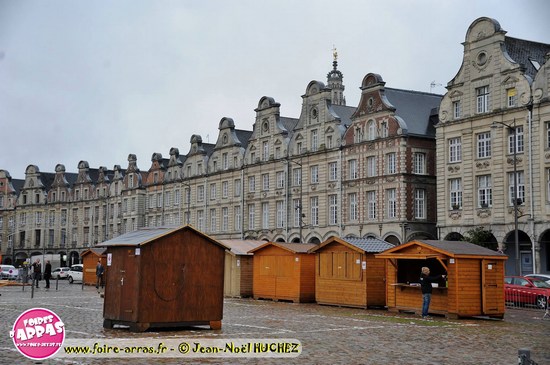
[[513, 129]]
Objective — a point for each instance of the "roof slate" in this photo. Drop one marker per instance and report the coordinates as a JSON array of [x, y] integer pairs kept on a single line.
[[521, 51], [462, 248], [368, 244]]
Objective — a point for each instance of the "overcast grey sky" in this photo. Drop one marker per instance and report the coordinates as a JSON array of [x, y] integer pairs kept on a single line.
[[98, 80]]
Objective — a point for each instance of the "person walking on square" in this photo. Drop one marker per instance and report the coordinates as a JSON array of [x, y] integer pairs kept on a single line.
[[426, 286], [99, 270], [36, 272], [47, 273]]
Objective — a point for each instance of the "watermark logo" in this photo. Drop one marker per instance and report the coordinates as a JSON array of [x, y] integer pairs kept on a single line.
[[38, 333]]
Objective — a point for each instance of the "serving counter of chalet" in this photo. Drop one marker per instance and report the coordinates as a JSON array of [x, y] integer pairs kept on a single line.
[[89, 261], [164, 277], [284, 271], [475, 278], [348, 274], [238, 267]]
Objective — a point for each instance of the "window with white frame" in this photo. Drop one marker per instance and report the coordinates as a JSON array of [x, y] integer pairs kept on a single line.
[[420, 203], [329, 141], [152, 201], [280, 179], [280, 213], [548, 185], [515, 138], [237, 215], [384, 129], [484, 191], [265, 215], [455, 149], [484, 145], [167, 197], [455, 189], [296, 203], [297, 177], [314, 140], [314, 172], [371, 204], [252, 184], [333, 209], [520, 192], [225, 161], [277, 153], [251, 216], [159, 200], [512, 97], [371, 166], [265, 182], [358, 134], [391, 163], [177, 197], [225, 189], [391, 201], [482, 99], [352, 169], [200, 220], [200, 193], [299, 148], [213, 191], [457, 109], [237, 187], [371, 130], [547, 134], [419, 163], [314, 204], [332, 171], [265, 151], [353, 207]]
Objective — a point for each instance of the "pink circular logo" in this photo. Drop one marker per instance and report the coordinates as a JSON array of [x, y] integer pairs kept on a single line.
[[38, 333]]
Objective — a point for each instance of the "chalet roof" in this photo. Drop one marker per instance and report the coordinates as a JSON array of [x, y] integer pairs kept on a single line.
[[521, 51], [369, 244], [415, 108], [242, 247], [447, 248], [292, 247], [149, 234], [98, 251]]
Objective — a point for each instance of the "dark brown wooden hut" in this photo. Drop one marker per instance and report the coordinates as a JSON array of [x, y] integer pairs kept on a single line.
[[164, 277]]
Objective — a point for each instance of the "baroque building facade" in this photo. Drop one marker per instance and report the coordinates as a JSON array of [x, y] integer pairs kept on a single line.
[[400, 165], [493, 146]]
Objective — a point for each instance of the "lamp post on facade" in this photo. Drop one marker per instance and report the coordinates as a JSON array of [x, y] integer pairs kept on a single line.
[[513, 129]]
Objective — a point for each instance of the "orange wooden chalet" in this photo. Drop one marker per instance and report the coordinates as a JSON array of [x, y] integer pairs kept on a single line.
[[284, 271], [89, 261], [348, 274], [164, 277], [474, 285], [237, 280]]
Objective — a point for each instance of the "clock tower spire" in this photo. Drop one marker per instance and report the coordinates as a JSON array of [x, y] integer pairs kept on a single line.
[[334, 81]]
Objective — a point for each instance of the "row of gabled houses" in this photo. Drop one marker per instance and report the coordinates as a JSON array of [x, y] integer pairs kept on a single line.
[[400, 165]]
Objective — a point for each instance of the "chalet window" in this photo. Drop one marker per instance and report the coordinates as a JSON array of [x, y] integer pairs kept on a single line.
[[484, 145], [340, 265], [484, 191]]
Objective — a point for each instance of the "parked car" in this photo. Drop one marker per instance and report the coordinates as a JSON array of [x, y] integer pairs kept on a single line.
[[545, 277], [8, 272], [75, 273], [526, 290], [60, 272]]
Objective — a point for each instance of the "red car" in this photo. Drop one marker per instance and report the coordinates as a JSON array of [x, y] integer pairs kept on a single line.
[[527, 291]]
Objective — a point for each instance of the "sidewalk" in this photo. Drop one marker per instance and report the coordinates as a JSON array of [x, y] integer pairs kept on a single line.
[[329, 335]]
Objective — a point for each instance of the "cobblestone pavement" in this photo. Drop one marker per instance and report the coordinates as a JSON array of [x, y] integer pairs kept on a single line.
[[329, 335]]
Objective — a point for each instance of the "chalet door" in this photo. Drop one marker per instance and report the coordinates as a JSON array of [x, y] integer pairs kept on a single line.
[[126, 281], [492, 286]]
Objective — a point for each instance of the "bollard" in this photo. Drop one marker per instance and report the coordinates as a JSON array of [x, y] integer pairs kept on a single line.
[[32, 291], [56, 282], [524, 357]]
